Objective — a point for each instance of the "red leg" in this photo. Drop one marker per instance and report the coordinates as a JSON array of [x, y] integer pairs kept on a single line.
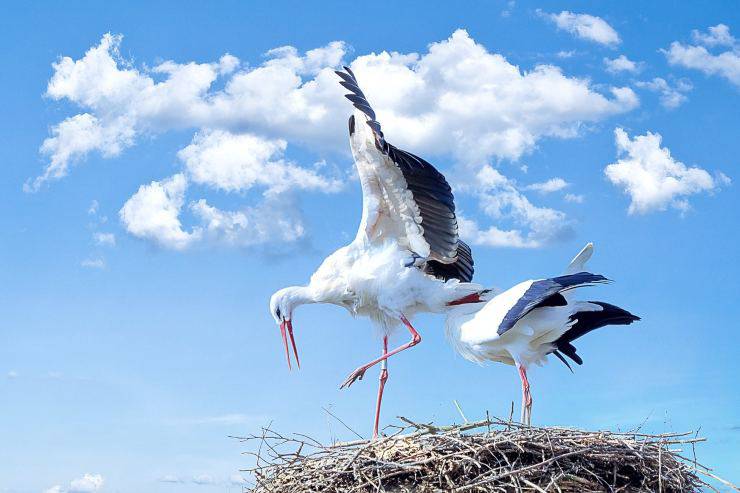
[[526, 396], [381, 386], [360, 372]]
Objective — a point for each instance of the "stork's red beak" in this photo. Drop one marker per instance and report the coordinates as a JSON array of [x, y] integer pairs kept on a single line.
[[287, 324]]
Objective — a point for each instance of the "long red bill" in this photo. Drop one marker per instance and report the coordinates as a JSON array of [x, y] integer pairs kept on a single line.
[[292, 342], [285, 342]]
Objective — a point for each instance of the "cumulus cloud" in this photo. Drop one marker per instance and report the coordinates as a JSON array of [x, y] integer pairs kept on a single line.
[[237, 162], [153, 213], [549, 186], [653, 178], [270, 221], [718, 35], [621, 64], [585, 26], [89, 483], [501, 200], [456, 99], [725, 64], [671, 95]]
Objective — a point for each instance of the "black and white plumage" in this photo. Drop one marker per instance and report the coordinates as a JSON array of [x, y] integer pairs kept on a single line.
[[406, 257], [522, 325]]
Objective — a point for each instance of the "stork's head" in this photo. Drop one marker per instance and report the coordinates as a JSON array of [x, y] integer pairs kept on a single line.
[[282, 304]]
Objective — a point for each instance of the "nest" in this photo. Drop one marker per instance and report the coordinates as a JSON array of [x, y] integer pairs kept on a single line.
[[485, 456]]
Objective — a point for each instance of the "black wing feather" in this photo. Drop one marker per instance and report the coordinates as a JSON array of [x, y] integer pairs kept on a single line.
[[588, 321], [540, 291], [462, 269]]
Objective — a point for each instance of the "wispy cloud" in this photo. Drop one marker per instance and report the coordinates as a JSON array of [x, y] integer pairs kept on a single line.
[[549, 186], [93, 263], [725, 64], [584, 26], [671, 95]]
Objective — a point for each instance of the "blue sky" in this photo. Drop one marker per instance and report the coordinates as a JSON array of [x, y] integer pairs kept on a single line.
[[161, 182]]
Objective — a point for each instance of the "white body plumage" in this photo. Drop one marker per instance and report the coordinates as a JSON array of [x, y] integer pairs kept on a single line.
[[473, 332]]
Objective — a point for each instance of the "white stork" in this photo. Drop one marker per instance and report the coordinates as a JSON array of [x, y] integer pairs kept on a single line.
[[525, 323], [406, 258]]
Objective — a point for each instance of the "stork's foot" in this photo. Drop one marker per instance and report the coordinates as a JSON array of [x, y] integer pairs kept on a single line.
[[354, 376]]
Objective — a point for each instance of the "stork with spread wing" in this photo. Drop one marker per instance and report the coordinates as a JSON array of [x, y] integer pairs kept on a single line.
[[406, 258]]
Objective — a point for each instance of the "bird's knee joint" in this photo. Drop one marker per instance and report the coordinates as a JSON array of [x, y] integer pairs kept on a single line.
[[383, 375], [416, 339]]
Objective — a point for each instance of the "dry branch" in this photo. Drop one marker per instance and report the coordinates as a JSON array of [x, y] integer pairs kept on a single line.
[[503, 457]]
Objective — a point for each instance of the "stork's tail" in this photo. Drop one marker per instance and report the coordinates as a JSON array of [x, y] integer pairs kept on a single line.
[[586, 321]]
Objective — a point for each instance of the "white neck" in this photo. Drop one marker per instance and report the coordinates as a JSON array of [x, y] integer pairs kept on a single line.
[[301, 295]]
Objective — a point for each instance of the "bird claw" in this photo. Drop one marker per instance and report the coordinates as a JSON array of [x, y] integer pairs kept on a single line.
[[354, 376]]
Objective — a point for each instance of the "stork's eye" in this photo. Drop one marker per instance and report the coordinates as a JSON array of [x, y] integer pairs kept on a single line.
[[352, 124], [277, 312]]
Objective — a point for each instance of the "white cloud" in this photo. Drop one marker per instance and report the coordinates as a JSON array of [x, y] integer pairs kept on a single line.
[[104, 239], [585, 26], [549, 186], [93, 209], [621, 64], [153, 212], [271, 221], [574, 198], [238, 162], [725, 64], [93, 263], [89, 483], [74, 138], [12, 374], [671, 96], [565, 54], [652, 178], [501, 200], [457, 98], [718, 35]]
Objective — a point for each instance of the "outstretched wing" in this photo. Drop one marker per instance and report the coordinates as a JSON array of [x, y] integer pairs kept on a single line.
[[407, 191]]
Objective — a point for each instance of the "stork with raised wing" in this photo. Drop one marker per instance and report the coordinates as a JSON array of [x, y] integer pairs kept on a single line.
[[524, 324], [406, 258]]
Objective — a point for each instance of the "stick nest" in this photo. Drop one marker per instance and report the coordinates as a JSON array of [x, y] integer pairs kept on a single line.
[[498, 456]]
